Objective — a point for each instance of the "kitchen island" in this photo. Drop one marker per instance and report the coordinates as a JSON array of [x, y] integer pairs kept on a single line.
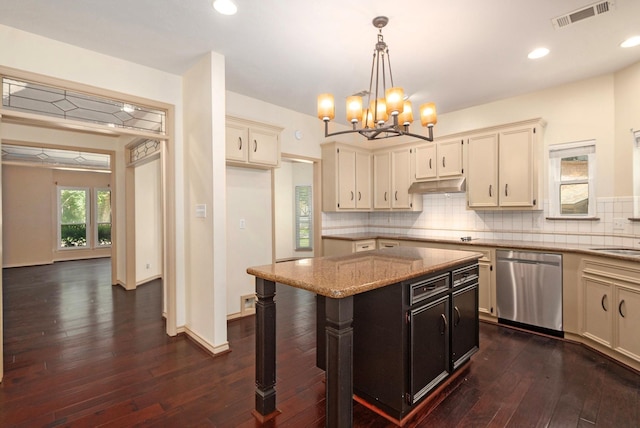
[[339, 280]]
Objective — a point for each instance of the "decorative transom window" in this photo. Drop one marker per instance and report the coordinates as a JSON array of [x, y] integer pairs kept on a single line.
[[572, 169], [31, 97]]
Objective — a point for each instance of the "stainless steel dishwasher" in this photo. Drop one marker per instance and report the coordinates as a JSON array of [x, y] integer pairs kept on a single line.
[[529, 290]]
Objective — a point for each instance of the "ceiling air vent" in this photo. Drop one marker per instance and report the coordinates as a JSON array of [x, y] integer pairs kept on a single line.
[[583, 13]]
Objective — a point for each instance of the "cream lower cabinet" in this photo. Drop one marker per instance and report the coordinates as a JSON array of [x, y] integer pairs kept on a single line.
[[392, 178], [503, 170], [251, 143], [346, 178], [610, 296]]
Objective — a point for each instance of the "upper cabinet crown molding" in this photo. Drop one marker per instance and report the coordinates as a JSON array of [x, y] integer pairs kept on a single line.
[[252, 144]]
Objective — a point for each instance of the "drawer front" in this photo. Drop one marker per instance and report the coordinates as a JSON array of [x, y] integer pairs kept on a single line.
[[364, 246], [423, 289], [465, 275]]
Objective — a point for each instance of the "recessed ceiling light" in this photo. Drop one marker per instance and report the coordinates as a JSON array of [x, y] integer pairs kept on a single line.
[[631, 42], [225, 7], [538, 53]]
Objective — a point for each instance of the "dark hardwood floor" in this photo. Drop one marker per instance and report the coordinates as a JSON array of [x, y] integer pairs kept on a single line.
[[79, 352]]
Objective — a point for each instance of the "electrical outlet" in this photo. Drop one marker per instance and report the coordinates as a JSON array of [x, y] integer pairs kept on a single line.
[[618, 223], [243, 223], [148, 265]]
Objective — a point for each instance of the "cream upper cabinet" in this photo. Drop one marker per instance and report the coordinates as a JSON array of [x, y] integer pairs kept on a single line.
[[401, 179], [503, 168], [438, 160], [426, 161], [251, 143], [482, 172], [392, 178], [346, 178], [382, 180]]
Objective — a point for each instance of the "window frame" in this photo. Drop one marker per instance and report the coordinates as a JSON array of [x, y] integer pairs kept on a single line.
[[96, 221], [87, 223], [555, 155], [298, 217]]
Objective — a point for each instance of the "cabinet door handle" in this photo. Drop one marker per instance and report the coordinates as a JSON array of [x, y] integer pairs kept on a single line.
[[506, 189], [239, 143], [430, 163], [604, 297], [255, 146], [455, 323], [396, 195], [443, 162], [385, 196], [620, 308], [359, 196], [490, 190], [352, 195], [444, 324]]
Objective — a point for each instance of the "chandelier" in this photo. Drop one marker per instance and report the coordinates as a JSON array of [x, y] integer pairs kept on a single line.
[[383, 117]]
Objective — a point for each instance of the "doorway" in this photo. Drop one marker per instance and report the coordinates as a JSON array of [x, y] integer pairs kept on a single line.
[[296, 205]]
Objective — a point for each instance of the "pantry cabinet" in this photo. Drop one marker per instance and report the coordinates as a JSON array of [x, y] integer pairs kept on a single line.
[[252, 144], [438, 160], [346, 178], [503, 170]]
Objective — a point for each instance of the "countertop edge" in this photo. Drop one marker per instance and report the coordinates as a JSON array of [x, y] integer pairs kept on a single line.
[[518, 245]]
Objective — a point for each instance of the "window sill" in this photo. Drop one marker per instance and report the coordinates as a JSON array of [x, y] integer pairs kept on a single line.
[[574, 218]]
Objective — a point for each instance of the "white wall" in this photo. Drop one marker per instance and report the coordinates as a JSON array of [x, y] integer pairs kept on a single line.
[[205, 185], [248, 199], [148, 206]]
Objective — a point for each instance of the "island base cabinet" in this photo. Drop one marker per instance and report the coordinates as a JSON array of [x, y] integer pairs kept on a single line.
[[403, 338], [465, 331], [429, 347]]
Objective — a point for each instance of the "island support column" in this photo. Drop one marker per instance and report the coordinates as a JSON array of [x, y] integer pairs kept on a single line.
[[265, 350], [339, 361]]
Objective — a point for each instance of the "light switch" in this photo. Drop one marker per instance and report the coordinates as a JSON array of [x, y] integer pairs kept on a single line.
[[243, 224], [201, 210]]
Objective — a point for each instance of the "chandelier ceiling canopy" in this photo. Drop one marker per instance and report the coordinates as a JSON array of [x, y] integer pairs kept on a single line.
[[387, 112]]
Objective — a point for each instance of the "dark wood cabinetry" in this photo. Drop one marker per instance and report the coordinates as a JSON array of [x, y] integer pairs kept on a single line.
[[411, 336]]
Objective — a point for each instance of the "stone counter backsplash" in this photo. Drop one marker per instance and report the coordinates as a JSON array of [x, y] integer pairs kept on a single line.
[[445, 215]]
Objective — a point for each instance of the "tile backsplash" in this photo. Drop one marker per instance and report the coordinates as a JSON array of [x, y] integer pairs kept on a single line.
[[445, 215]]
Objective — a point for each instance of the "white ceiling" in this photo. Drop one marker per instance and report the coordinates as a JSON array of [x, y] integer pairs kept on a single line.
[[457, 53]]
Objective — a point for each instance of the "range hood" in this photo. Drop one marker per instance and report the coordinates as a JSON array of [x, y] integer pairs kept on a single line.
[[450, 185]]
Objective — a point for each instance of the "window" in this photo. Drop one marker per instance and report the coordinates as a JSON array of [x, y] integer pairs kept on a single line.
[[103, 218], [84, 218], [304, 221], [73, 212], [572, 179]]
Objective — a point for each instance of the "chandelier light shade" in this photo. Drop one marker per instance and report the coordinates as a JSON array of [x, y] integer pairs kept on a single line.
[[385, 117]]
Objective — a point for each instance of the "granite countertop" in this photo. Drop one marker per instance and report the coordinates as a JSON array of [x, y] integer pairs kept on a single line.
[[344, 276], [506, 244]]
